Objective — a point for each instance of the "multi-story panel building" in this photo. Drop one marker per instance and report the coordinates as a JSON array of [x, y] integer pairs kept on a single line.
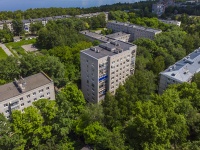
[[181, 71], [135, 31], [95, 36], [108, 38], [119, 36], [175, 22], [105, 67], [21, 93]]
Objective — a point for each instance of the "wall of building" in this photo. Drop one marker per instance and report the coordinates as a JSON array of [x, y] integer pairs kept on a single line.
[[26, 99]]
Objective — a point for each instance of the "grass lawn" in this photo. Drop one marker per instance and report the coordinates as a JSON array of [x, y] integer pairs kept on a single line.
[[3, 55], [16, 49]]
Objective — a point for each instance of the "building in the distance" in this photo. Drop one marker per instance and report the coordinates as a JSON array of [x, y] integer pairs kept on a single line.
[[119, 36], [21, 93], [159, 7], [106, 38], [135, 31], [93, 15], [105, 67], [181, 71], [174, 22]]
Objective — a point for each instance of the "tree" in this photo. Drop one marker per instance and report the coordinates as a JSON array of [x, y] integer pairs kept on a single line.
[[17, 27], [9, 69], [148, 129], [111, 111], [30, 126], [48, 110]]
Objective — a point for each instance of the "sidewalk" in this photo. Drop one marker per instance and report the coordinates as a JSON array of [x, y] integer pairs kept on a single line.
[[6, 50]]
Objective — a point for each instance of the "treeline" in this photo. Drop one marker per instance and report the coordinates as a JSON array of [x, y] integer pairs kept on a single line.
[[189, 9], [48, 12]]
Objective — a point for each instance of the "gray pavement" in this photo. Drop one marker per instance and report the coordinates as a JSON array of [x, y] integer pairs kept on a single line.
[[6, 50]]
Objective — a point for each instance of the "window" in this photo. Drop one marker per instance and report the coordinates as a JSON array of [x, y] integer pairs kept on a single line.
[[41, 96], [47, 88], [22, 104], [29, 101], [34, 93], [40, 91], [5, 105], [7, 111], [48, 93], [28, 96], [21, 99], [35, 99]]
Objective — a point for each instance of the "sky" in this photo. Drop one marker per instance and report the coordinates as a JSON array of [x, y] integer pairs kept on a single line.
[[12, 5]]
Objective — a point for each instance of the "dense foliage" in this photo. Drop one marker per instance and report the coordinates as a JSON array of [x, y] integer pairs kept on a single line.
[[135, 118]]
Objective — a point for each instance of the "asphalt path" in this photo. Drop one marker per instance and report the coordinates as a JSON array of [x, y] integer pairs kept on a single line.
[[6, 50]]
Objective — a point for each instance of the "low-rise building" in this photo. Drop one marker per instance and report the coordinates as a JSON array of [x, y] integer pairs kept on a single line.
[[135, 31], [181, 71], [105, 67], [119, 36], [21, 93], [175, 22], [95, 36], [93, 15]]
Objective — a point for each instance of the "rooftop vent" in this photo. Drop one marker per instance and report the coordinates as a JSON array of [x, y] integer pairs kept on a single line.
[[93, 48], [21, 84]]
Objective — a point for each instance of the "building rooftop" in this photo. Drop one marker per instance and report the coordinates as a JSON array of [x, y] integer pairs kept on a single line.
[[13, 89], [108, 49], [137, 27], [117, 35], [95, 36], [184, 69]]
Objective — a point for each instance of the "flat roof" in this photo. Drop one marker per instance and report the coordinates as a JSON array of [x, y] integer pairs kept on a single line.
[[136, 26], [107, 49], [117, 35], [11, 89], [95, 35], [184, 69]]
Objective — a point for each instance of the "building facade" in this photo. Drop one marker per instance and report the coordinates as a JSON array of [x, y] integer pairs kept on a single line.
[[21, 93], [105, 67], [135, 31], [174, 22], [181, 71]]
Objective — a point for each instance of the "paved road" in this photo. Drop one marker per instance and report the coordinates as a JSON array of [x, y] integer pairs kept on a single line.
[[7, 51]]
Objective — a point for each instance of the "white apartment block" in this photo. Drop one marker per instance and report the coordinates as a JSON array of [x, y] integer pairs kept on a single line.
[[105, 67], [174, 22], [21, 93], [181, 71], [135, 31]]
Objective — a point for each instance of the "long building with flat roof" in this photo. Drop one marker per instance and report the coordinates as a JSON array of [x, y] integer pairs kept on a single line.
[[135, 31], [105, 67], [181, 71], [21, 93]]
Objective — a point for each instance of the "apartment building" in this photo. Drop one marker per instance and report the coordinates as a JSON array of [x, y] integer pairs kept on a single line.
[[135, 31], [95, 36], [181, 71], [106, 38], [93, 15], [174, 22], [119, 36], [105, 67], [21, 93]]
